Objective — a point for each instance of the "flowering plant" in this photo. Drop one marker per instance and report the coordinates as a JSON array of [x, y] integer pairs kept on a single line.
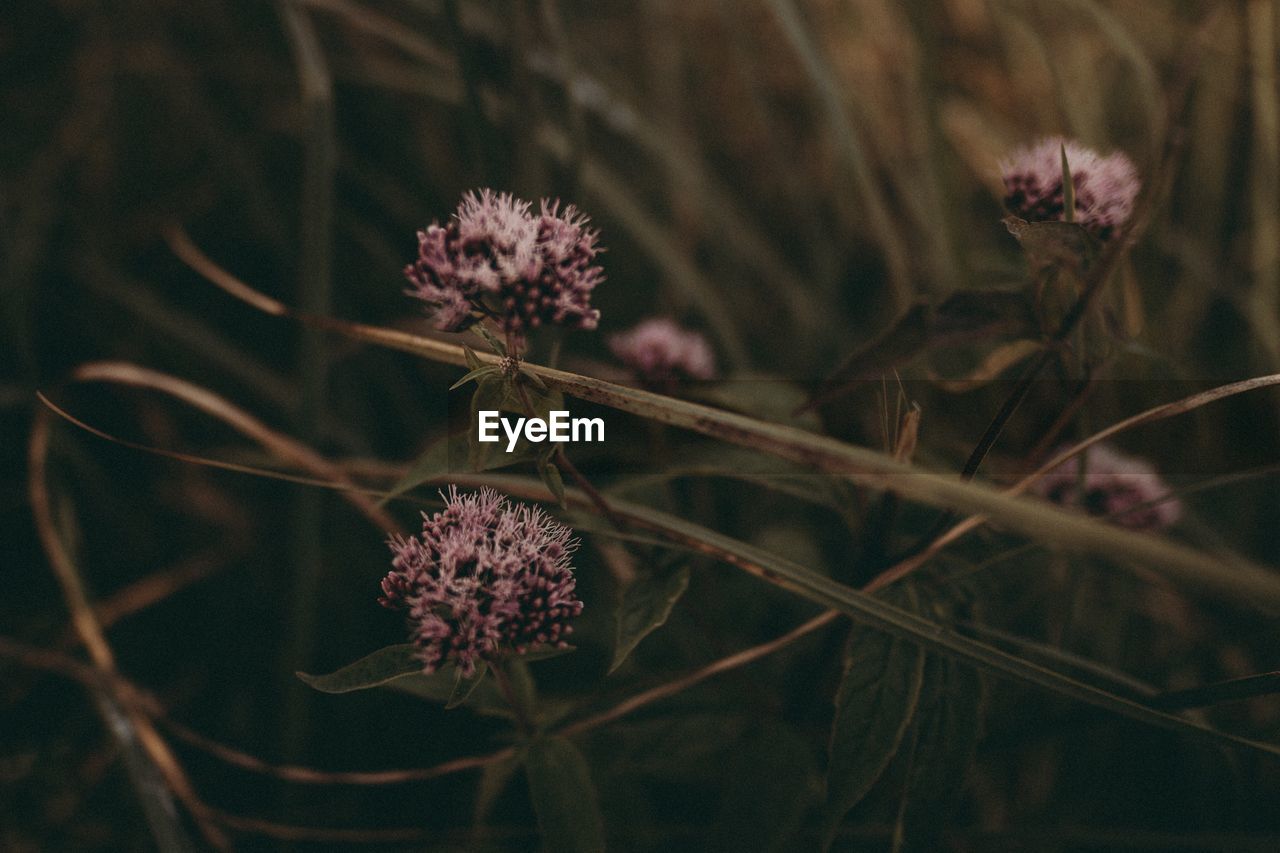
[[838, 516]]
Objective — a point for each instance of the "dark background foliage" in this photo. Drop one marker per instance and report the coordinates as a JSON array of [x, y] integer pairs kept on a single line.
[[788, 177]]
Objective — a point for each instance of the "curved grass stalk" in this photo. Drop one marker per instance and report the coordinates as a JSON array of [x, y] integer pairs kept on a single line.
[[1236, 579], [1166, 410], [838, 598]]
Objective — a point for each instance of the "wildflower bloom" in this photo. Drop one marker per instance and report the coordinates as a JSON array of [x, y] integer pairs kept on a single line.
[[483, 576], [495, 257], [1105, 187], [1125, 489], [659, 352]]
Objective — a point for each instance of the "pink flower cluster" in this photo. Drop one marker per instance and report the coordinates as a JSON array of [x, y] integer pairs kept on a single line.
[[1105, 187], [483, 576], [495, 258], [1126, 490], [659, 352]]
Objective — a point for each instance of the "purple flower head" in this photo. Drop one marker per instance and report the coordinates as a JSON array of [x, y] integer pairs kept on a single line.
[[1123, 488], [496, 257], [1105, 187], [483, 576], [660, 352]]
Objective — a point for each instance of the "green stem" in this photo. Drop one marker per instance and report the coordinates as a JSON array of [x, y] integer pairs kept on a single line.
[[525, 715]]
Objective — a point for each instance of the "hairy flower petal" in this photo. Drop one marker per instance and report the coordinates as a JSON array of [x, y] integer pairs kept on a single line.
[[483, 576], [496, 257]]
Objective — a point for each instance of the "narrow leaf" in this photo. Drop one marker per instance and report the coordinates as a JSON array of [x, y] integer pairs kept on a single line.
[[490, 395], [433, 462], [966, 315], [438, 688], [1240, 579], [897, 622], [482, 370], [533, 377], [564, 797], [1048, 244], [398, 667], [372, 670], [997, 361], [498, 346], [645, 606], [949, 724], [464, 687]]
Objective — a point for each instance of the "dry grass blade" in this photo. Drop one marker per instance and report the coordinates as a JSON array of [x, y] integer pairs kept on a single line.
[[147, 752], [1239, 580], [288, 449], [1235, 690], [1167, 410], [392, 32], [838, 598]]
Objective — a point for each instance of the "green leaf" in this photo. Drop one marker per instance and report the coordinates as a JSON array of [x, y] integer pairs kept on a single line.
[[372, 670], [875, 704], [400, 668], [532, 377], [482, 370], [542, 402], [473, 361], [883, 616], [498, 346], [433, 462], [464, 687], [646, 603], [1055, 244], [965, 316], [438, 688], [949, 725], [564, 797], [490, 395], [494, 779], [523, 690]]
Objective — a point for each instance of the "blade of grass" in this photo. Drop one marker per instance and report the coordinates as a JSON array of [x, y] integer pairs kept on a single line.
[[1237, 578], [1264, 180], [315, 287], [153, 769], [844, 131], [1157, 413], [859, 606]]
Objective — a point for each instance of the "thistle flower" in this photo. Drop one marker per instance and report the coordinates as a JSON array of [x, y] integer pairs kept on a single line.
[[1125, 489], [495, 257], [1105, 187], [658, 351], [484, 576]]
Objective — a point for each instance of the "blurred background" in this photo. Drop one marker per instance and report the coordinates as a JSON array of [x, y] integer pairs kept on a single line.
[[787, 176]]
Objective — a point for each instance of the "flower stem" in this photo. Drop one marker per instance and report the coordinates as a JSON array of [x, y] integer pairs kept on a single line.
[[562, 459], [524, 715]]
